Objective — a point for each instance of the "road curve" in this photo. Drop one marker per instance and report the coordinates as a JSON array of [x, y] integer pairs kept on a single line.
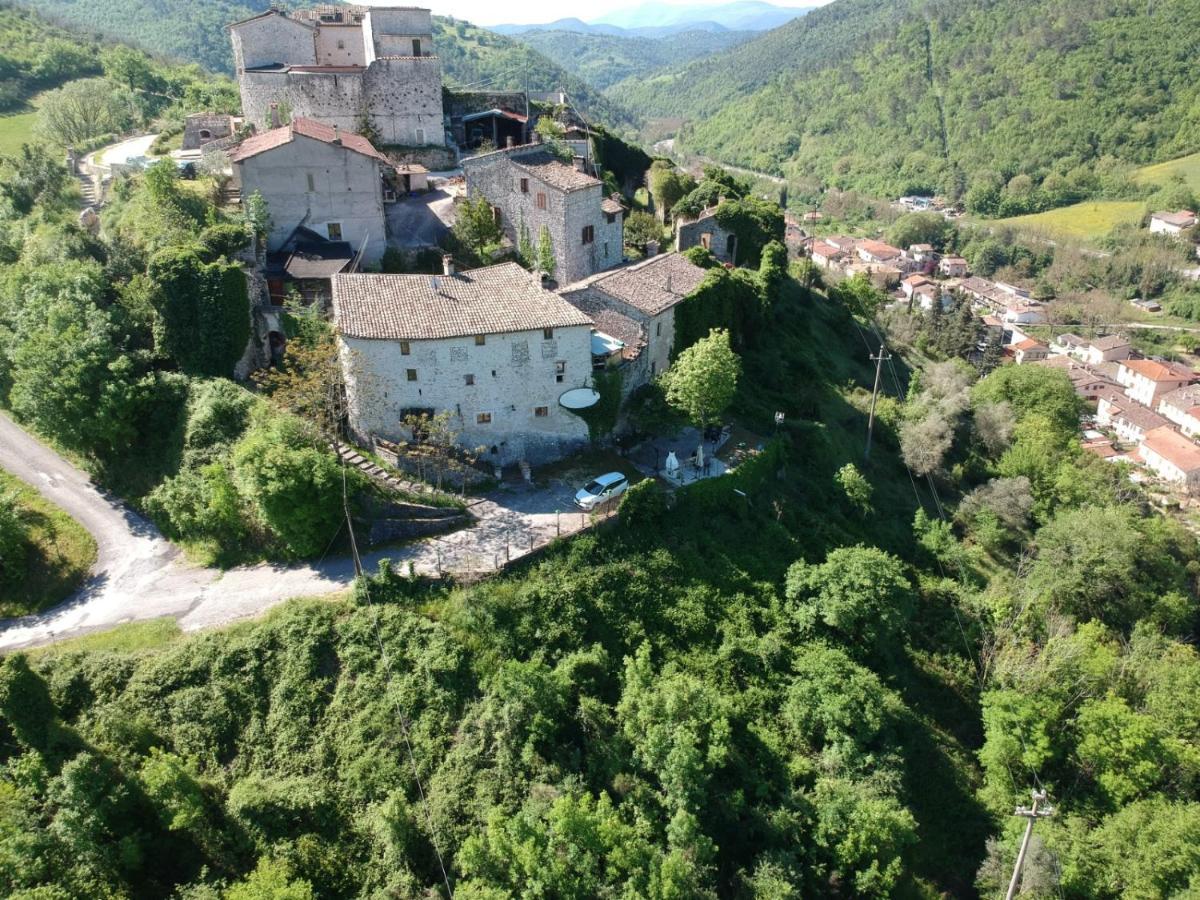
[[140, 575]]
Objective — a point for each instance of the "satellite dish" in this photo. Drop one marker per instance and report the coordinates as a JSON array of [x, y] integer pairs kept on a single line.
[[579, 398]]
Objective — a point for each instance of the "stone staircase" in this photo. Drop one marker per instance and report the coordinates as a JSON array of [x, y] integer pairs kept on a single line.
[[381, 476], [88, 190]]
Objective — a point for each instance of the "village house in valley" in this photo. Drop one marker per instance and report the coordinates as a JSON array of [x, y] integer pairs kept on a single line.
[[636, 306], [1172, 223], [1147, 380], [1172, 457], [1182, 407], [318, 177], [490, 346], [529, 188], [343, 65]]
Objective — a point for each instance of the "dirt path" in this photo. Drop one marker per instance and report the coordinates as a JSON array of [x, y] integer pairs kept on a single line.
[[139, 575]]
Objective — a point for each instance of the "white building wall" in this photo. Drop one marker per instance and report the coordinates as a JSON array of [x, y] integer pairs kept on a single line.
[[346, 189], [514, 374], [391, 32], [270, 40]]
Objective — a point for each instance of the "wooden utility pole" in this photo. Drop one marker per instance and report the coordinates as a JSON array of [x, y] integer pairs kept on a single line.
[[1031, 815], [879, 360]]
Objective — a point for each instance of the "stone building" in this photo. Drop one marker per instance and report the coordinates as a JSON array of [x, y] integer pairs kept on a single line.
[[200, 129], [705, 231], [530, 188], [635, 305], [490, 346], [318, 177], [344, 66]]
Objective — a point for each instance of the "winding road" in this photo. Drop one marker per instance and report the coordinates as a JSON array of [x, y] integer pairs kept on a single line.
[[140, 575]]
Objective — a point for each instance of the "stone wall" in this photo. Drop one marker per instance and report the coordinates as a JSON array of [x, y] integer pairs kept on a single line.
[[271, 40], [565, 216], [706, 232], [514, 375], [203, 128], [391, 32], [345, 188], [404, 99], [340, 45]]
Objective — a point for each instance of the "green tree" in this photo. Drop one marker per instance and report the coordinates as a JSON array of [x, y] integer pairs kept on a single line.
[[270, 880], [855, 486], [475, 226], [80, 110], [861, 594], [204, 310], [14, 537], [667, 184], [546, 262], [703, 380]]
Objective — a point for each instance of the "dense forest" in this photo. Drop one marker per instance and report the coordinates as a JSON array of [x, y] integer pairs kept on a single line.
[[602, 60], [895, 96]]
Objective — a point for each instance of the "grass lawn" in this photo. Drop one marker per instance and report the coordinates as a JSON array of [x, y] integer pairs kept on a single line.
[[1086, 221], [122, 639], [16, 129], [59, 559], [1160, 173]]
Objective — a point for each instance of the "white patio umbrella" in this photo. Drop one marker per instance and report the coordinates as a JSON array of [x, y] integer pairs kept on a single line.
[[671, 467], [700, 457]]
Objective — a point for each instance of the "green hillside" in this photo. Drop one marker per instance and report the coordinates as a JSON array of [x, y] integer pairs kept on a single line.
[[195, 32], [890, 96], [604, 59]]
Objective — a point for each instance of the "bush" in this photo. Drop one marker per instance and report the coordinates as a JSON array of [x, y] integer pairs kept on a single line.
[[223, 240], [14, 535], [643, 505], [220, 411]]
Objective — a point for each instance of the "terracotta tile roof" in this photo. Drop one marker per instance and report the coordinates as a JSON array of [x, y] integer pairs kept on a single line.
[[1109, 342], [879, 249], [613, 323], [1029, 344], [611, 206], [650, 286], [494, 300], [917, 280], [277, 137], [1183, 219], [547, 167], [1182, 398], [1173, 447], [1158, 371], [1140, 417], [826, 249]]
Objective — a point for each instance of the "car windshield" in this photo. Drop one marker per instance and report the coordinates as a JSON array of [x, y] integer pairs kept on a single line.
[[594, 487]]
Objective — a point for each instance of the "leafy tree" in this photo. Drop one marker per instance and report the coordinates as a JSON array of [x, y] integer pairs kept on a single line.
[[640, 228], [270, 880], [81, 110], [546, 262], [643, 506], [14, 537], [924, 442], [703, 380], [855, 486], [860, 594], [129, 67], [919, 228], [292, 481], [668, 184], [475, 226]]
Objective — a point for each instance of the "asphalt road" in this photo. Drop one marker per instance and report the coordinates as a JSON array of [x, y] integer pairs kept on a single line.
[[139, 575]]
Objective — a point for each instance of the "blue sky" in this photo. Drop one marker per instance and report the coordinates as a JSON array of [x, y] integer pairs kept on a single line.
[[489, 12]]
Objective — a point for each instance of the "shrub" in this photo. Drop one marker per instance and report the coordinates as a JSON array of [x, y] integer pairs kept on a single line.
[[643, 505]]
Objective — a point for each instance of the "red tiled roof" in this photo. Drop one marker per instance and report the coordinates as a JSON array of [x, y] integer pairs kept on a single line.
[[879, 249], [1173, 447], [1158, 371], [1028, 344], [826, 249], [277, 137], [916, 280]]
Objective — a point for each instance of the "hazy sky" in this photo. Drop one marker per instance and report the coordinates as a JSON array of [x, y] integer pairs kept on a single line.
[[489, 12]]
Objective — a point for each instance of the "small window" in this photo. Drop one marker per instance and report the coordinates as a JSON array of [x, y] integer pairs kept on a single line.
[[541, 200], [483, 418], [541, 412], [524, 185], [547, 334], [405, 349], [341, 45], [606, 249], [416, 46], [610, 218], [335, 231], [560, 371], [311, 187], [412, 374], [706, 241], [469, 380], [420, 137], [589, 233], [480, 340], [658, 329]]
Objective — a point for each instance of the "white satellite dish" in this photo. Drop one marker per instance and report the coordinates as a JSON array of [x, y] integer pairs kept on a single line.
[[579, 398]]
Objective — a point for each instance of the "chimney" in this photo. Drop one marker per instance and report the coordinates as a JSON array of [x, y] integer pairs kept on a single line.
[[579, 162], [274, 115], [508, 141], [651, 249], [337, 135], [447, 264]]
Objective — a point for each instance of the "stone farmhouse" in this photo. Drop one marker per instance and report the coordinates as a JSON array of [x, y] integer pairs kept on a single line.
[[317, 177], [705, 231], [491, 347], [201, 129], [635, 305], [529, 188], [343, 66], [1172, 223]]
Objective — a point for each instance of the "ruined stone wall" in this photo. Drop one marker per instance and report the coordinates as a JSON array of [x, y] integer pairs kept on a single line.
[[404, 99], [334, 98], [706, 232]]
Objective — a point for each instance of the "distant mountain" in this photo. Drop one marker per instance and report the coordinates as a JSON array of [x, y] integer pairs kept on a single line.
[[740, 15], [893, 96], [603, 60]]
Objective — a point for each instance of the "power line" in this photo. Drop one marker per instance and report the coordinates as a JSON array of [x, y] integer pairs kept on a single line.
[[1031, 815], [386, 659]]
